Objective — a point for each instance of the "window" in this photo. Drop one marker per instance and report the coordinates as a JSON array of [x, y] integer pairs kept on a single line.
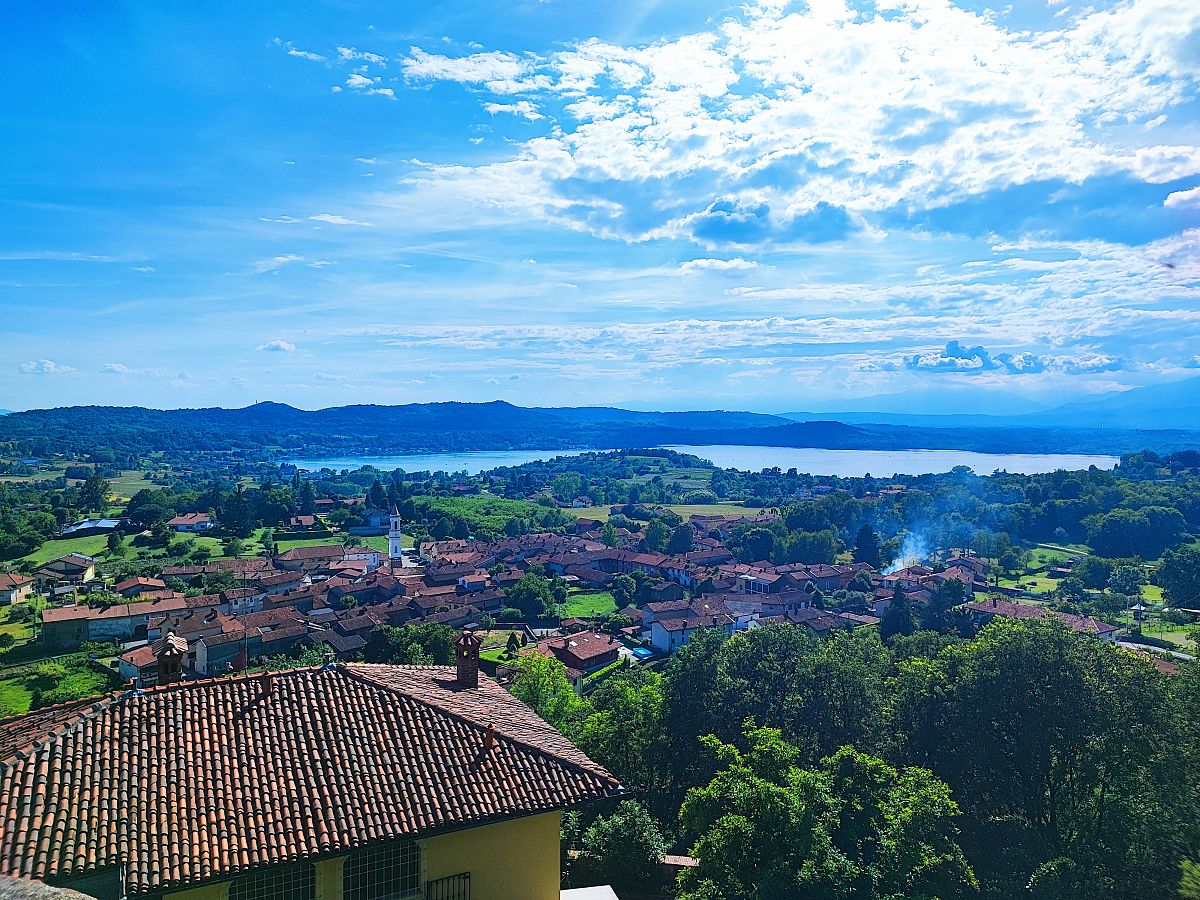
[[382, 873], [291, 882]]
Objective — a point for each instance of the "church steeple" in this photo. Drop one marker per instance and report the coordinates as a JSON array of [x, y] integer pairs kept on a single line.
[[395, 544]]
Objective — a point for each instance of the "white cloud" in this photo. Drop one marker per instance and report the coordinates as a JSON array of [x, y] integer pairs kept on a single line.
[[331, 219], [1183, 199], [355, 80], [737, 264], [45, 367], [786, 114], [365, 160], [278, 345], [351, 53], [306, 54], [277, 262], [144, 269], [522, 108], [115, 369]]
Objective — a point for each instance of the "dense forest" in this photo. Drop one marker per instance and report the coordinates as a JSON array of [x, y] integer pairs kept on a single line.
[[1025, 762]]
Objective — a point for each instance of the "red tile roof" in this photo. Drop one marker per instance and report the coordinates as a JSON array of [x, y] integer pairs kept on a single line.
[[203, 780]]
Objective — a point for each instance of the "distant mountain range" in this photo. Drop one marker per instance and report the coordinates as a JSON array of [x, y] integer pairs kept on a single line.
[[1173, 406], [276, 428]]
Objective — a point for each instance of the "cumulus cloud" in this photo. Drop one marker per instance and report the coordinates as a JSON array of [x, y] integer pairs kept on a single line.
[[277, 345], [806, 121], [45, 367], [956, 357], [1183, 199], [522, 108]]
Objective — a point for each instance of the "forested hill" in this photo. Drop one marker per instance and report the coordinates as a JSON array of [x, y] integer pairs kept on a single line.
[[269, 427]]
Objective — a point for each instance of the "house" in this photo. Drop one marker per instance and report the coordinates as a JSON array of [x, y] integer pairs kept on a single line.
[[66, 627], [88, 527], [309, 557], [192, 522], [669, 634], [74, 567], [302, 523], [372, 557], [132, 587], [139, 665], [984, 611], [306, 783], [14, 588], [585, 651]]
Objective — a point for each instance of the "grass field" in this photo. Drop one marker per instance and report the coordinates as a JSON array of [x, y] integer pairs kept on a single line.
[[21, 631], [379, 542], [128, 484], [586, 604], [88, 546], [14, 697], [681, 509]]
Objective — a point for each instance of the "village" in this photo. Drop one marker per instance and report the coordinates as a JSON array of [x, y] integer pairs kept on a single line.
[[332, 596]]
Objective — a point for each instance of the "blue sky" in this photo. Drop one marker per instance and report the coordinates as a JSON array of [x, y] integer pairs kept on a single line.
[[671, 205]]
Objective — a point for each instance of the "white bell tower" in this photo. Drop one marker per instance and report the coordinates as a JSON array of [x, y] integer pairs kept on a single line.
[[395, 545]]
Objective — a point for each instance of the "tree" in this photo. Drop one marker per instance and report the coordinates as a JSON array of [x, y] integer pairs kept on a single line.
[[937, 615], [866, 547], [513, 646], [1127, 580], [608, 535], [625, 734], [6, 640], [1179, 576], [410, 645], [681, 539], [306, 499], [852, 827], [1065, 754], [625, 847], [377, 496], [93, 492], [1071, 590], [899, 617], [540, 682], [115, 545], [656, 537], [233, 546], [624, 589], [531, 595]]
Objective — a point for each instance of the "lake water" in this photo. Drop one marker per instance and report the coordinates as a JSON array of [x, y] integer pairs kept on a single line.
[[845, 463]]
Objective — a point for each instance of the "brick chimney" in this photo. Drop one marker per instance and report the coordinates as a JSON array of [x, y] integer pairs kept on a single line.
[[169, 653], [466, 653]]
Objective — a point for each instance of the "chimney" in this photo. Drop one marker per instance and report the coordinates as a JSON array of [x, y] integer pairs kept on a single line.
[[169, 653], [489, 738], [266, 683], [466, 647]]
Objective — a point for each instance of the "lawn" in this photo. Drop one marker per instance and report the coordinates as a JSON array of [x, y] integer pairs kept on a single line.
[[21, 631], [14, 697], [587, 604], [92, 545], [128, 484], [379, 542]]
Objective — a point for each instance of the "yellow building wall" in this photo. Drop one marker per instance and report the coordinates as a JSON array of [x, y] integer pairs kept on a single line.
[[219, 891], [514, 860]]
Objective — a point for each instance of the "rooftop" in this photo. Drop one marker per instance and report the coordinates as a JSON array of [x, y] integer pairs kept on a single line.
[[239, 772]]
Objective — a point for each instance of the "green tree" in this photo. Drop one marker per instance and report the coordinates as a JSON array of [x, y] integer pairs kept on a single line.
[[513, 646], [1066, 754], [233, 546], [532, 595], [681, 539], [306, 499], [624, 589], [93, 492], [1127, 580], [540, 682], [1179, 576], [114, 544], [656, 536], [866, 547], [852, 827], [625, 847], [608, 535], [377, 496], [899, 617]]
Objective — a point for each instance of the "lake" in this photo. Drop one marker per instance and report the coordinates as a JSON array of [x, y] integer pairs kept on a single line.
[[844, 463]]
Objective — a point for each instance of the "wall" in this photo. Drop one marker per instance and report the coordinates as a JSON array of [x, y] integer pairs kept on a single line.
[[514, 860]]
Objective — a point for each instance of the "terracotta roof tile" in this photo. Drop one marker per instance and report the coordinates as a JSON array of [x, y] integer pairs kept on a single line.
[[203, 780]]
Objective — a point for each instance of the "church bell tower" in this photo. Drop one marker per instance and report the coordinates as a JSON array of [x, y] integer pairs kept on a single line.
[[394, 534]]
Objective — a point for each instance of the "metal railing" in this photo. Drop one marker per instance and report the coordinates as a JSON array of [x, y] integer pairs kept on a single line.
[[452, 887]]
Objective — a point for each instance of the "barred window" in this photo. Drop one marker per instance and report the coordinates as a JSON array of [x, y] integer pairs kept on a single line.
[[383, 873], [291, 882]]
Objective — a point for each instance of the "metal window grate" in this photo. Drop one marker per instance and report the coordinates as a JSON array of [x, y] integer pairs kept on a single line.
[[291, 882], [383, 873], [452, 887]]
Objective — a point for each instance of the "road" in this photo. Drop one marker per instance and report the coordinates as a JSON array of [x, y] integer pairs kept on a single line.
[[1129, 645]]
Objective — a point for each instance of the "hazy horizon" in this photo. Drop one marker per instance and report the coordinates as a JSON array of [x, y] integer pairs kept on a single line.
[[773, 207]]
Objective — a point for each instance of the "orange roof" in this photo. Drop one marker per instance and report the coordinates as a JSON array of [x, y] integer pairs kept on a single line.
[[234, 773]]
